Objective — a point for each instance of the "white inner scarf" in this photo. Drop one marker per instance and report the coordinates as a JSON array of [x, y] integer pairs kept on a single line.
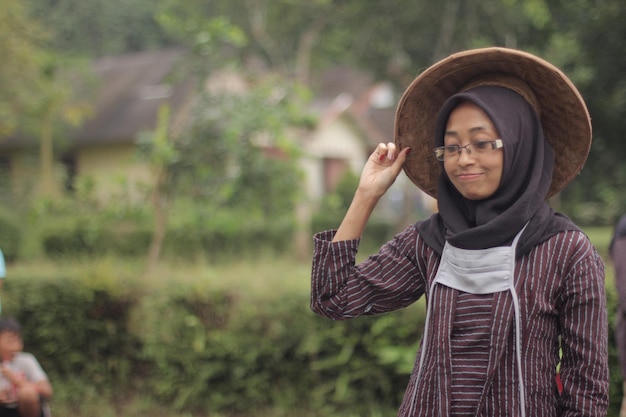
[[482, 271]]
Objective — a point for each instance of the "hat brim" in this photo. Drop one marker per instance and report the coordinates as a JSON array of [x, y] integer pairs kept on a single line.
[[564, 116]]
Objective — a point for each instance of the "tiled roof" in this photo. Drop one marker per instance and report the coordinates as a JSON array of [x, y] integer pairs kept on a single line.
[[132, 88], [344, 90]]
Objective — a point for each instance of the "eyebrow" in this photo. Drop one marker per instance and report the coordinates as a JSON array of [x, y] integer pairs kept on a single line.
[[472, 130]]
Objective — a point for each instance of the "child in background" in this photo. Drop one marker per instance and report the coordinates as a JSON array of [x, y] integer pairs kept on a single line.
[[24, 386]]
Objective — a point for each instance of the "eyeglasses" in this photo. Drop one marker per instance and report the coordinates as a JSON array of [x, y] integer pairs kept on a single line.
[[481, 147]]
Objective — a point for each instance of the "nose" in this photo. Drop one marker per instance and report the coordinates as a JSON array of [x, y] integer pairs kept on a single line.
[[465, 157]]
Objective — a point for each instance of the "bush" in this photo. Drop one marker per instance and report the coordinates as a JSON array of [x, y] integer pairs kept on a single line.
[[222, 236], [228, 234], [10, 234], [195, 348], [94, 239], [74, 326], [214, 353]]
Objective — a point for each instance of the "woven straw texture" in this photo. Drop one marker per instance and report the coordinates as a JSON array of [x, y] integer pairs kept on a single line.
[[564, 116]]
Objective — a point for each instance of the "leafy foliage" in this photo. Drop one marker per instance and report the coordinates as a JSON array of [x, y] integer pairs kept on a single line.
[[600, 186], [196, 348], [100, 27], [10, 234], [83, 330], [235, 153], [22, 48]]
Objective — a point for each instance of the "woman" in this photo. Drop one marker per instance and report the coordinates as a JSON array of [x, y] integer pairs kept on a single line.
[[510, 284]]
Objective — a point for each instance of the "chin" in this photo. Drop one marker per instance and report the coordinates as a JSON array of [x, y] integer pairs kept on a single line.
[[477, 196]]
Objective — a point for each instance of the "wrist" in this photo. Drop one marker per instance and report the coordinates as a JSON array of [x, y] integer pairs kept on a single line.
[[366, 196]]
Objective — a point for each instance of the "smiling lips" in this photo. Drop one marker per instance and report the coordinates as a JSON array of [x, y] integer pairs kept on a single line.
[[469, 175]]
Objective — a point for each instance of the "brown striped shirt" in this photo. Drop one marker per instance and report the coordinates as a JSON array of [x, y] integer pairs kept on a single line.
[[469, 346], [560, 285]]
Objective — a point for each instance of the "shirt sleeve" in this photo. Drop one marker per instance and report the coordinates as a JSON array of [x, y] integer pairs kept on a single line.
[[31, 368], [584, 365], [3, 268], [384, 282]]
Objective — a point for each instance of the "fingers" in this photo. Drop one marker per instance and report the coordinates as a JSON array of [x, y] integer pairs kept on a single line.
[[403, 155], [388, 152]]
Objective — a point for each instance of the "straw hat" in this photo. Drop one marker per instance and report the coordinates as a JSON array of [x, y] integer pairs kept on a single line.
[[564, 116]]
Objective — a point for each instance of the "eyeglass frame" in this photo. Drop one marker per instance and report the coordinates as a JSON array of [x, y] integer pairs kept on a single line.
[[440, 151]]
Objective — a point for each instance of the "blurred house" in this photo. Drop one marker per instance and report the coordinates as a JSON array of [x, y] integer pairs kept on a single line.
[[129, 91], [355, 114]]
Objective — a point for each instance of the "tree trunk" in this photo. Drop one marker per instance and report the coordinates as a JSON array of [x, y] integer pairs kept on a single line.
[[47, 186], [303, 55], [446, 35], [160, 206], [258, 28]]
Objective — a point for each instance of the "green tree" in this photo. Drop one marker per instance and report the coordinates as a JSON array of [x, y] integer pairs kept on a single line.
[[22, 41], [603, 47], [60, 107], [95, 28], [36, 90], [233, 156], [159, 149], [238, 153]]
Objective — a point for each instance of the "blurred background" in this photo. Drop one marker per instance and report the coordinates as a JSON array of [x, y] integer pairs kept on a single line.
[[164, 163]]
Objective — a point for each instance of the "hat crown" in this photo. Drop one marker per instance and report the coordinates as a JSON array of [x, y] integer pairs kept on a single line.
[[506, 81]]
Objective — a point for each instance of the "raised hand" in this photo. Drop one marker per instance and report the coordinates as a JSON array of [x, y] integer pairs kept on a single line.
[[382, 169]]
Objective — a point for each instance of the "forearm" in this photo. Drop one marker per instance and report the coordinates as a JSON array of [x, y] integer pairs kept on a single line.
[[383, 282], [380, 171], [44, 388], [356, 217]]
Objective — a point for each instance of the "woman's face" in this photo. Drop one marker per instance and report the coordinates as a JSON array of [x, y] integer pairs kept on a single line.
[[476, 176]]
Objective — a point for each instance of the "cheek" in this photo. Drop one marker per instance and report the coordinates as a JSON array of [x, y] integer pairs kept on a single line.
[[498, 166], [448, 168]]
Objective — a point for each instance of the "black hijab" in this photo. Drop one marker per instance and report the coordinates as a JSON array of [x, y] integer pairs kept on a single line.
[[520, 198]]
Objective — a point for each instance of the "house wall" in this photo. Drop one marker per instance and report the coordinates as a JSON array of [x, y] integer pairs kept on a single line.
[[117, 172], [323, 151], [23, 171]]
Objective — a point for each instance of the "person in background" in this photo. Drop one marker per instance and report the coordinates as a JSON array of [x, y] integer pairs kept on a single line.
[[3, 274], [509, 283], [617, 252], [24, 387], [3, 268]]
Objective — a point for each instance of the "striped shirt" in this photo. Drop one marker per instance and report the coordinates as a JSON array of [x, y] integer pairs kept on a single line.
[[560, 285], [469, 344]]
